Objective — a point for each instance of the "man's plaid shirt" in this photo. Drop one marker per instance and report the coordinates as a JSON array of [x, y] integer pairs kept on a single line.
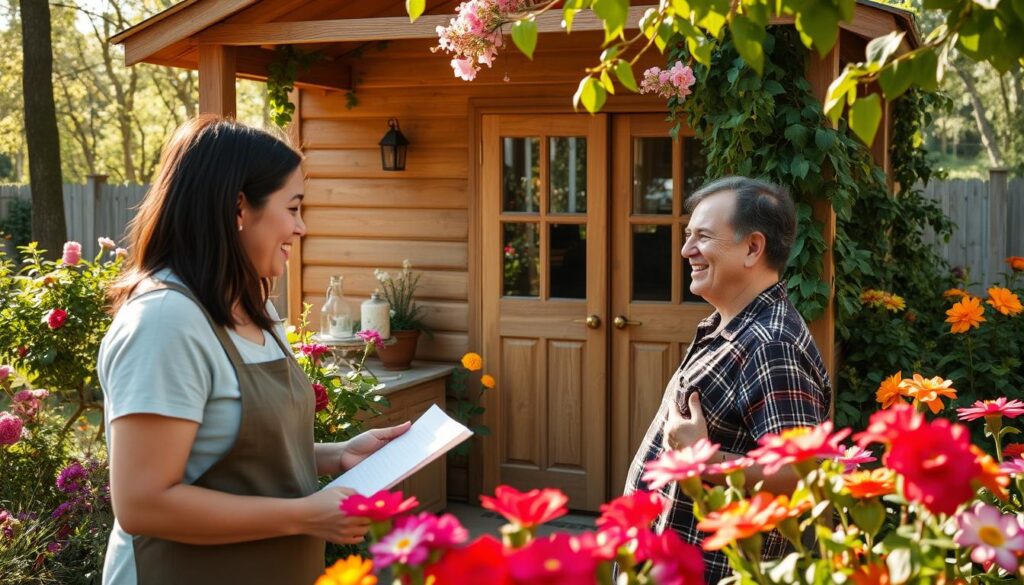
[[760, 375]]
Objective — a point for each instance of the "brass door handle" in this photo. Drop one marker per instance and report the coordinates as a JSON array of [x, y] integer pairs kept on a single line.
[[620, 322], [592, 321]]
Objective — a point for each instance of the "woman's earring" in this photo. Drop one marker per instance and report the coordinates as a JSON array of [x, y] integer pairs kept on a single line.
[[239, 227]]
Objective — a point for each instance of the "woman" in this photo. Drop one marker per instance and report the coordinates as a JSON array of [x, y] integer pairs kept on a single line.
[[212, 461]]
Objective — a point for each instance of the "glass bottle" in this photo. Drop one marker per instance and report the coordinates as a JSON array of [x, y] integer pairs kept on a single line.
[[336, 316]]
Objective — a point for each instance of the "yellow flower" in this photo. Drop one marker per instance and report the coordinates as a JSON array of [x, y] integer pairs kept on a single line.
[[965, 314], [871, 297], [955, 293], [472, 361], [487, 381], [1004, 301], [929, 391], [890, 390], [894, 303], [353, 570]]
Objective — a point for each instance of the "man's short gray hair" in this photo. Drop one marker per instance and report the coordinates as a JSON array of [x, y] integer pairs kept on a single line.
[[760, 207]]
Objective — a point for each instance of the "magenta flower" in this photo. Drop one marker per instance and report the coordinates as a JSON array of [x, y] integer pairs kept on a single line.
[[558, 559], [371, 336], [27, 403], [679, 465], [406, 545], [379, 507], [10, 428], [55, 318], [796, 445], [314, 351], [440, 532], [72, 478], [638, 509], [322, 398], [72, 253], [674, 562], [526, 509], [106, 243], [853, 457], [5, 372], [604, 544], [1013, 467], [995, 537], [998, 407]]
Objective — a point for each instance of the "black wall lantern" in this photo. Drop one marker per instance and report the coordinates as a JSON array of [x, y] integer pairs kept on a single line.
[[393, 147]]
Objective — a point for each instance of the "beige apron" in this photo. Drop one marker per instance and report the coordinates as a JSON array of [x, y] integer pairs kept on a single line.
[[272, 457]]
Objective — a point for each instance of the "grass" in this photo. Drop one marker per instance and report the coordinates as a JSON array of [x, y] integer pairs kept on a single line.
[[960, 167]]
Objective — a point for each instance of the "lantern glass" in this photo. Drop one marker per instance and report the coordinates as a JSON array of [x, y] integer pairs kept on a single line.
[[393, 148]]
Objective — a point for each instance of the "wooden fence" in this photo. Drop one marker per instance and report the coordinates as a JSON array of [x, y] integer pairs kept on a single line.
[[92, 210], [990, 224]]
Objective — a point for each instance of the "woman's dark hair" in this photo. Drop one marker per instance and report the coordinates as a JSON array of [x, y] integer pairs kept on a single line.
[[760, 207], [188, 221]]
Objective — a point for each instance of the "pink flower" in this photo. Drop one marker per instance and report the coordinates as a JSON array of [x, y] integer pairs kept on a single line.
[[72, 253], [558, 559], [674, 562], [886, 426], [5, 372], [937, 465], [604, 545], [314, 351], [796, 445], [996, 537], [72, 478], [55, 318], [1014, 467], [464, 69], [120, 253], [998, 407], [371, 336], [379, 507], [106, 243], [854, 457], [10, 428], [679, 465], [440, 532], [528, 509], [27, 403], [406, 545], [322, 398], [638, 510], [729, 466]]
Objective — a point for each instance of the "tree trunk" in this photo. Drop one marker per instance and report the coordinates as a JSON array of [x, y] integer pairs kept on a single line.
[[989, 138], [41, 135]]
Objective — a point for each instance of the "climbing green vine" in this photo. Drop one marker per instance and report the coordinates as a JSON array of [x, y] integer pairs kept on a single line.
[[773, 127]]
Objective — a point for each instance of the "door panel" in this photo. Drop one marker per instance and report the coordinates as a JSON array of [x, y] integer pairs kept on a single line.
[[544, 248]]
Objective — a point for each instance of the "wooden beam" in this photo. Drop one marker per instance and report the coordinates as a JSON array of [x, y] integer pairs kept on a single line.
[[176, 26], [253, 64], [294, 288], [870, 22], [376, 29], [217, 80]]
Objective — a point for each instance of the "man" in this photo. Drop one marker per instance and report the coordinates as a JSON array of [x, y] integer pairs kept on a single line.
[[752, 368]]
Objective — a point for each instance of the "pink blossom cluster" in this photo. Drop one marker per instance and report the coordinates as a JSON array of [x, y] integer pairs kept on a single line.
[[995, 538], [72, 253], [11, 428], [314, 351], [474, 35], [27, 403], [669, 83]]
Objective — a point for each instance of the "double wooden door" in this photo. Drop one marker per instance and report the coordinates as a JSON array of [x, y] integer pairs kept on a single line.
[[586, 310]]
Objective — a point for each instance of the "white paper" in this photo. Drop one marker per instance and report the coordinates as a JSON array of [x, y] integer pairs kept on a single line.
[[434, 434]]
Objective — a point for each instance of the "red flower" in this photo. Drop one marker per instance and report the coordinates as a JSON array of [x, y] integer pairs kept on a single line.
[[558, 559], [381, 506], [56, 318], [638, 510], [483, 561], [529, 509], [998, 407], [886, 426], [314, 351], [937, 465], [1013, 450], [796, 445], [604, 544], [22, 351], [674, 562], [322, 398]]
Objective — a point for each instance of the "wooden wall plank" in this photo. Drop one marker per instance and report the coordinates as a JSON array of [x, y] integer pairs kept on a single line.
[[395, 193], [367, 132], [449, 316], [421, 162], [434, 284], [418, 224], [324, 251]]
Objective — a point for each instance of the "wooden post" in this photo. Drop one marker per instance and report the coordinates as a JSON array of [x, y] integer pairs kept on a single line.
[[820, 73], [90, 201], [998, 235], [217, 80], [293, 277]]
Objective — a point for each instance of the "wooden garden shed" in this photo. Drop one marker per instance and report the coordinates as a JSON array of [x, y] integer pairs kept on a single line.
[[548, 239]]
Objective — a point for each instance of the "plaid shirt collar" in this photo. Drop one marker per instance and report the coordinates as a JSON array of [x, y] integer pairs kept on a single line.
[[768, 297]]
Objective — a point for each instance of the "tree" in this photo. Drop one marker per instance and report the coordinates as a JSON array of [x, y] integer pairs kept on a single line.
[[43, 140], [989, 31]]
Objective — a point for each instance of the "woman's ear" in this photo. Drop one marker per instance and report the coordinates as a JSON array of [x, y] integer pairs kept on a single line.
[[756, 243], [241, 210]]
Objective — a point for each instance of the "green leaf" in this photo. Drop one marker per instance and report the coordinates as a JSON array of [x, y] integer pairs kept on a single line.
[[818, 25], [415, 8], [624, 72], [838, 91], [606, 82], [524, 35], [747, 36], [613, 13], [880, 49], [799, 167], [570, 9], [896, 78], [824, 139], [865, 114], [869, 516], [797, 134], [925, 70], [701, 48], [591, 94]]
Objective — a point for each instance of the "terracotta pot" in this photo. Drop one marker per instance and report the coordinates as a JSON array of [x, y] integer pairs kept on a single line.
[[399, 355]]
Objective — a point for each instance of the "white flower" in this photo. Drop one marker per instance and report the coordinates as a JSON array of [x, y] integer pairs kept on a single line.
[[381, 276], [406, 265]]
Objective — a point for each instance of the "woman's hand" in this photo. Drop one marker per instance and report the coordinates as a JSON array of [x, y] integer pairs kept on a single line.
[[365, 444], [323, 519]]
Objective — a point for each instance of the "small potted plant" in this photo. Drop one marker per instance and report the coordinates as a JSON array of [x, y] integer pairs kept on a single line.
[[406, 317]]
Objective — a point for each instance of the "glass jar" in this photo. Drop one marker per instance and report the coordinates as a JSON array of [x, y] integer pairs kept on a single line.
[[375, 313], [336, 315]]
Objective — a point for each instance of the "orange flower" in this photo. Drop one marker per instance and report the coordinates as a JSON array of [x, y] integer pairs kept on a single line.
[[870, 483], [873, 574], [991, 477], [894, 303], [487, 381], [472, 361], [965, 314], [353, 570], [955, 293], [745, 518], [1004, 301], [871, 297], [929, 391], [1016, 263], [890, 390]]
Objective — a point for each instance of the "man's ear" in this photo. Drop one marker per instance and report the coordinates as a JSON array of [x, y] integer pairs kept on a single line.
[[756, 243]]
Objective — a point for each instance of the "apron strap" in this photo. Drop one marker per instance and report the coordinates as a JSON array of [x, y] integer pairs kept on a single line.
[[219, 330]]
